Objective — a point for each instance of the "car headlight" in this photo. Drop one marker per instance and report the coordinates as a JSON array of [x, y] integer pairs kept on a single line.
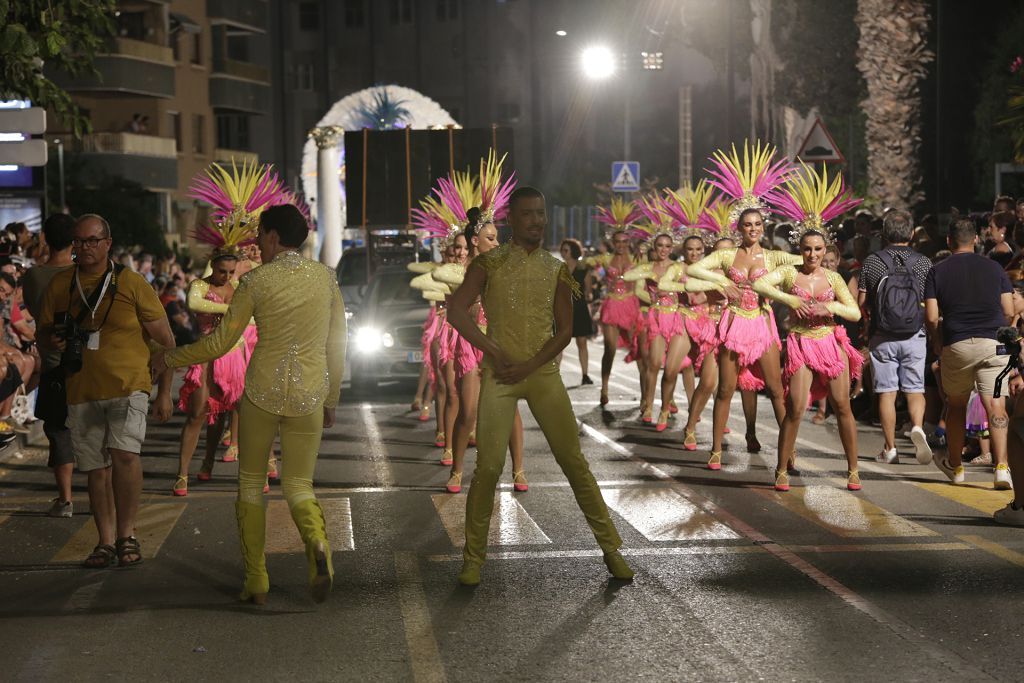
[[387, 340], [368, 340]]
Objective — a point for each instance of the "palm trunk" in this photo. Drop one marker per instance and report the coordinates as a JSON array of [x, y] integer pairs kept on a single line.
[[893, 59]]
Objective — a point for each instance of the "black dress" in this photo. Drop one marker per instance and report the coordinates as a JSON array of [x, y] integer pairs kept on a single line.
[[582, 323]]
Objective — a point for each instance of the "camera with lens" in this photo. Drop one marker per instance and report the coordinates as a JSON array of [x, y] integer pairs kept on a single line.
[[1009, 344], [75, 339]]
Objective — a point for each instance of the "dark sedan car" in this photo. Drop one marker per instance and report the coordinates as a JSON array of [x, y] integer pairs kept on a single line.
[[385, 333]]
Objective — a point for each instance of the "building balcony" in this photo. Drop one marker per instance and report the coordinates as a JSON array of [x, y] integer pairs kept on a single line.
[[226, 156], [230, 90], [149, 160], [130, 67], [249, 15]]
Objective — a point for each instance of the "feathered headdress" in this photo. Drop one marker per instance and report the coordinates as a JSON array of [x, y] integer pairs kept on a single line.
[[811, 201], [238, 196], [749, 179], [443, 216], [619, 216], [686, 207], [494, 193], [714, 221], [659, 221]]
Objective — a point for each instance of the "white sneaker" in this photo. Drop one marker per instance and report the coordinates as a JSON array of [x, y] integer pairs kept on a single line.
[[955, 474], [1002, 478], [889, 457], [920, 440], [1010, 515], [61, 508]]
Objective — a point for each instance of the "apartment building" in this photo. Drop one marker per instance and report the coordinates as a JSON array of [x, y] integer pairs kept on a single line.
[[181, 84]]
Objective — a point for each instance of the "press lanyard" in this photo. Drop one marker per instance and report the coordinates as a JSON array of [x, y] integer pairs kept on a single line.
[[103, 291]]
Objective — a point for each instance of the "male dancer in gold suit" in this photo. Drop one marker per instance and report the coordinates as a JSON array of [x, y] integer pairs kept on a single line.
[[292, 384], [526, 292]]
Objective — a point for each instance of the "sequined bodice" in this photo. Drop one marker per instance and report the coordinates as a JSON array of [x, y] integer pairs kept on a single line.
[[825, 297], [616, 285], [519, 298], [749, 300], [663, 299]]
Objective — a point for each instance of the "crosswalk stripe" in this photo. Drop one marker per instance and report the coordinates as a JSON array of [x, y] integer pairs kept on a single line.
[[153, 525], [283, 537], [511, 524], [981, 497], [661, 514], [844, 513], [995, 549]]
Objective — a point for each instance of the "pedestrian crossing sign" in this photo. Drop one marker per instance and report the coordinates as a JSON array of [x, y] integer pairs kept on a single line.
[[625, 176]]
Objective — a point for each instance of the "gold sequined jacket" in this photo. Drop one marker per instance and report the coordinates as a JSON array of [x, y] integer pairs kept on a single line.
[[299, 360], [519, 297]]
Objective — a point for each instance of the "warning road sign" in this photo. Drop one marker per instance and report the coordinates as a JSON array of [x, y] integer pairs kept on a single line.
[[625, 176], [819, 145]]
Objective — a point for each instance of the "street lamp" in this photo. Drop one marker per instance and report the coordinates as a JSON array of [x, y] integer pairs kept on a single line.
[[598, 62]]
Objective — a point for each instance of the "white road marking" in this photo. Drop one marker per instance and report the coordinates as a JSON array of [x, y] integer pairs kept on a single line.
[[661, 514], [378, 454], [511, 524]]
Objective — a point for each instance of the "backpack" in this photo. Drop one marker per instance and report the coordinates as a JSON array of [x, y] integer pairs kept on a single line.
[[898, 309]]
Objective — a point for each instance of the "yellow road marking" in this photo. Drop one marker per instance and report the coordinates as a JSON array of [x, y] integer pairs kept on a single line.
[[844, 513], [424, 656], [283, 537], [510, 523], [995, 549], [661, 514], [152, 526], [981, 497]]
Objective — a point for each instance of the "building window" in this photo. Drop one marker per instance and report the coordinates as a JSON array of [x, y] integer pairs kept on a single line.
[[354, 15], [238, 48], [197, 48], [175, 121], [233, 131], [304, 77], [401, 11], [176, 46], [198, 143], [309, 16], [447, 10]]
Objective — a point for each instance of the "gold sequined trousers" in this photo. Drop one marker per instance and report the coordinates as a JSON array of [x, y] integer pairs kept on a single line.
[[300, 444], [549, 403]]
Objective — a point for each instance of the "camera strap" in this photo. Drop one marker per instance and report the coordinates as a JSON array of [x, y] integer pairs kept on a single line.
[[92, 302]]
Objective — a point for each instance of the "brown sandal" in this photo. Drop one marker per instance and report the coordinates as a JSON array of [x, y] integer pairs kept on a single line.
[[101, 557], [127, 547]]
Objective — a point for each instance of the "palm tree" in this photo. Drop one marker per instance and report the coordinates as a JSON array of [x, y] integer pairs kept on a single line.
[[893, 59]]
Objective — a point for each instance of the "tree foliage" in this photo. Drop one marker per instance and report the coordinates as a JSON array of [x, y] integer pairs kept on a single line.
[[62, 34], [993, 143]]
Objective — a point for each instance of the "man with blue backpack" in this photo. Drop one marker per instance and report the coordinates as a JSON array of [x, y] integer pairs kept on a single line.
[[891, 295]]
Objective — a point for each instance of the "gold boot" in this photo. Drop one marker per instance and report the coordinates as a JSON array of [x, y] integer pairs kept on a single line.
[[252, 532], [309, 519]]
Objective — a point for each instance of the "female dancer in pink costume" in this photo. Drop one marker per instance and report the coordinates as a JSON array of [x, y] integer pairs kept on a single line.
[[820, 360], [461, 359], [749, 338], [620, 309], [666, 340], [210, 390], [702, 317]]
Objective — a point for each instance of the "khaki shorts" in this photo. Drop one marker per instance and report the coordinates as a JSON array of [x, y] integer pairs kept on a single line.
[[96, 426], [971, 363]]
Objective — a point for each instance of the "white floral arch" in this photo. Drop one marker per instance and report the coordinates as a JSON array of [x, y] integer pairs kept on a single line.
[[424, 113]]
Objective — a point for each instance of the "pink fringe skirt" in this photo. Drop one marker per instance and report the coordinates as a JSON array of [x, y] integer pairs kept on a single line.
[[749, 339], [430, 331], [827, 358], [703, 338], [467, 357], [228, 384], [447, 338], [977, 418], [251, 337], [665, 325], [624, 314]]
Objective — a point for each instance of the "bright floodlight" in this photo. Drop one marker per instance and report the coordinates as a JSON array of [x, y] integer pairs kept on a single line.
[[561, 33], [598, 62]]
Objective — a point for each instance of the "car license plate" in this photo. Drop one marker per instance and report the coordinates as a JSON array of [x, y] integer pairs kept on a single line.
[[415, 357]]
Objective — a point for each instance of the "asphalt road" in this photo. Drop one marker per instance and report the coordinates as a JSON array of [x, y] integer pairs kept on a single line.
[[907, 580]]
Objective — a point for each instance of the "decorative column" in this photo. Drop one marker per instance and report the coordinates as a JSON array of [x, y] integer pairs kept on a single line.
[[328, 193]]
